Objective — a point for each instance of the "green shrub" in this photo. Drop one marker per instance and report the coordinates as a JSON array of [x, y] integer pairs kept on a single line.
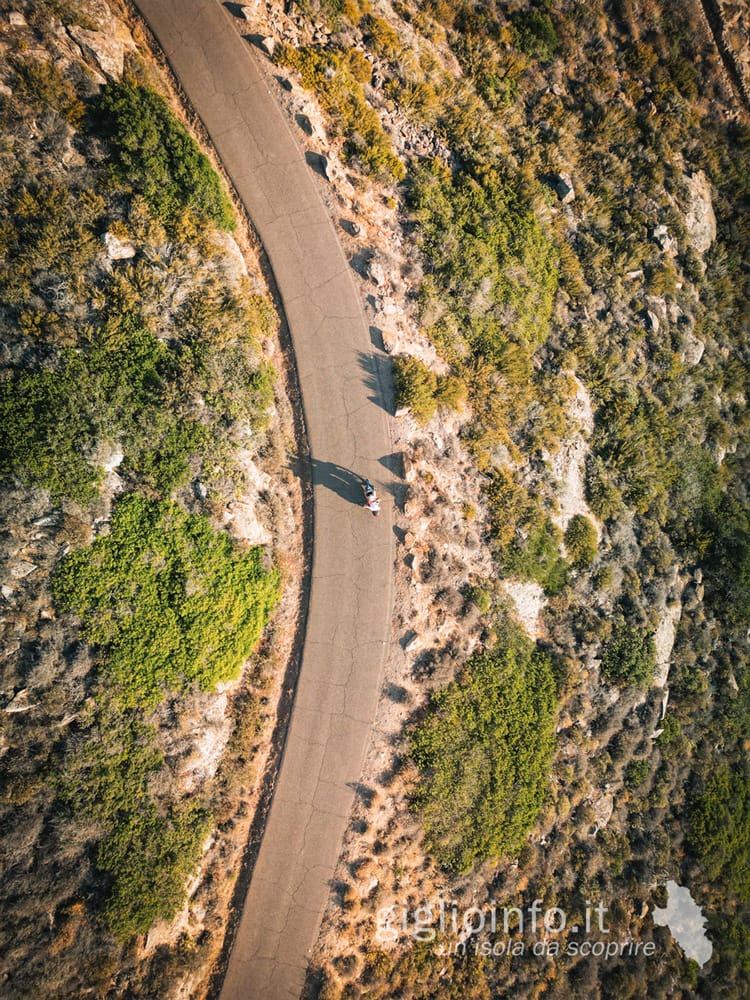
[[422, 391], [479, 596], [48, 424], [149, 858], [416, 387], [728, 561], [528, 542], [636, 773], [719, 827], [117, 390], [167, 598], [629, 657], [46, 230], [154, 155], [120, 383], [478, 232], [484, 751], [534, 34], [581, 541], [146, 851]]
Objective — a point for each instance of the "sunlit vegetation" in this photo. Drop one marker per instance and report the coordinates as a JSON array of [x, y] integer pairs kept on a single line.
[[581, 541], [167, 598], [336, 79], [528, 542], [167, 603], [422, 391], [483, 751], [515, 287], [151, 366]]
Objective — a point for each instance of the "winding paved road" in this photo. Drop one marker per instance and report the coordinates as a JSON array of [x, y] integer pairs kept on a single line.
[[350, 602]]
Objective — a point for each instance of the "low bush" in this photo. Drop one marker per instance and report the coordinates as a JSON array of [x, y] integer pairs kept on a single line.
[[479, 596], [636, 773], [422, 391], [154, 155], [484, 751], [629, 657], [581, 541], [167, 598]]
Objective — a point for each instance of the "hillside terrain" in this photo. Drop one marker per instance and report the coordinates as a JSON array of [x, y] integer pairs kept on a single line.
[[548, 208], [151, 559]]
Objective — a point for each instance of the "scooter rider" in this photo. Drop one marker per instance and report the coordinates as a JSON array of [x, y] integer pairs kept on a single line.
[[371, 497]]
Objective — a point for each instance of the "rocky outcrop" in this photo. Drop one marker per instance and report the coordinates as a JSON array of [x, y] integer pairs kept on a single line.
[[118, 249], [700, 220], [107, 47]]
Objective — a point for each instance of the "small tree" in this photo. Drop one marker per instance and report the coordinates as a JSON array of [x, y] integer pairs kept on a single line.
[[629, 657], [581, 541]]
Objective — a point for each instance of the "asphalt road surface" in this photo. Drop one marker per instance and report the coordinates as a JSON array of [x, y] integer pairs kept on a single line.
[[350, 602]]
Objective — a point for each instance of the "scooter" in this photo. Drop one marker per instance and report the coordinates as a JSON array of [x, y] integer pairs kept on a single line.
[[371, 498]]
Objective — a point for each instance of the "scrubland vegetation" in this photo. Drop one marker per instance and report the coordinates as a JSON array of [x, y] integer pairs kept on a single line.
[[523, 291], [484, 749], [129, 380]]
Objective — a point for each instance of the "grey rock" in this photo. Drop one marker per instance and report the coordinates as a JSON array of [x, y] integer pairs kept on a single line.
[[692, 349], [106, 49], [700, 220], [22, 569], [375, 273], [662, 237], [118, 249], [563, 185]]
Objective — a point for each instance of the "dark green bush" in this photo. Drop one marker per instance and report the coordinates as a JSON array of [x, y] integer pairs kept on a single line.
[[728, 562], [636, 773], [155, 156], [49, 421], [149, 858], [534, 33], [629, 657], [416, 387], [719, 831], [117, 390]]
